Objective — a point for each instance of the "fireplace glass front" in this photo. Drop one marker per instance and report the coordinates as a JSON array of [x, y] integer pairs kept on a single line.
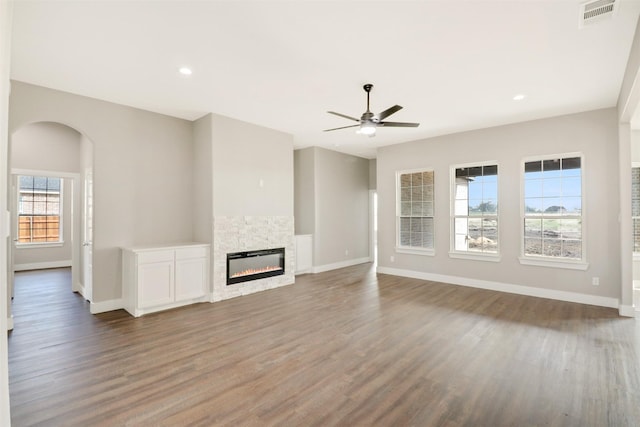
[[252, 265]]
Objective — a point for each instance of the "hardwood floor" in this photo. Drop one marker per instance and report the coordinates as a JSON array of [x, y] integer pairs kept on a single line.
[[346, 347]]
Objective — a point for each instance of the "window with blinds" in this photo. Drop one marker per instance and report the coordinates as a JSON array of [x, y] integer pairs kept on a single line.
[[415, 213]]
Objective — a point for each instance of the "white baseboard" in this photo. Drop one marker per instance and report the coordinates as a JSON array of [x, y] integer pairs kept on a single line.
[[628, 311], [341, 264], [42, 265], [10, 323], [104, 306], [506, 287], [78, 287], [82, 291]]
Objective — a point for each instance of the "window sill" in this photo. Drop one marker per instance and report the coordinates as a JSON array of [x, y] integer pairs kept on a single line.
[[636, 256], [415, 251], [39, 245], [544, 262], [475, 256]]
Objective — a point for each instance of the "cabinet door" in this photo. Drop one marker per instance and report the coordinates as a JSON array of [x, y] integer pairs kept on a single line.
[[191, 278], [155, 283]]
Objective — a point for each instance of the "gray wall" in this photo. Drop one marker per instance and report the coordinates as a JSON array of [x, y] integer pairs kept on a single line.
[[340, 205], [373, 171], [202, 180], [595, 134], [304, 185], [629, 96], [142, 173], [47, 147], [252, 169]]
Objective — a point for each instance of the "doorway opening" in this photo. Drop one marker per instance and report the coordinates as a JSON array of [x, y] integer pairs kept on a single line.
[[51, 203]]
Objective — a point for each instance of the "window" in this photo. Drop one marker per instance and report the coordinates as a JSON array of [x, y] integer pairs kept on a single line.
[[39, 209], [553, 209], [635, 207], [415, 211], [475, 210]]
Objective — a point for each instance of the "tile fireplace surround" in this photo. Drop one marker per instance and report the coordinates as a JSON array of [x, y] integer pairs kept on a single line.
[[250, 233]]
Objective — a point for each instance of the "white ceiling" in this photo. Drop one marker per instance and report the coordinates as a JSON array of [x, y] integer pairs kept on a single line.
[[453, 65]]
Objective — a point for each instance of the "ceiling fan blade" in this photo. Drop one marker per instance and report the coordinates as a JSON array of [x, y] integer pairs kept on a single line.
[[398, 124], [389, 111], [343, 115], [343, 127]]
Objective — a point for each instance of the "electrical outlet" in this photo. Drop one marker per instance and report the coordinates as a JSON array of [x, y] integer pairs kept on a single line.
[[346, 252], [595, 281], [392, 258]]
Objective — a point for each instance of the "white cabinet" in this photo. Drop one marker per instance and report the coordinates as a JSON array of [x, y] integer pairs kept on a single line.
[[162, 277], [192, 271]]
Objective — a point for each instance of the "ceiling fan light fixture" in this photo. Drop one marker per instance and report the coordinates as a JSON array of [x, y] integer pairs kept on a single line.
[[367, 129], [368, 122]]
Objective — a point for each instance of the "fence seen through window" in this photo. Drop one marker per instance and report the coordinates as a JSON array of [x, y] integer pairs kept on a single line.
[[39, 209]]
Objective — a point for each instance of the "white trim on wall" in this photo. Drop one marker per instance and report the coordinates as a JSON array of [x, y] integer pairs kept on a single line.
[[628, 311], [508, 288], [42, 265], [104, 306], [337, 265]]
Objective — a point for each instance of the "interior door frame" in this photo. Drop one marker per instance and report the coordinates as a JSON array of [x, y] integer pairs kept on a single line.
[[86, 236], [373, 218]]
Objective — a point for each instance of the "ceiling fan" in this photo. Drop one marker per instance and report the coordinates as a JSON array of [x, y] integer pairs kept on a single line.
[[368, 122]]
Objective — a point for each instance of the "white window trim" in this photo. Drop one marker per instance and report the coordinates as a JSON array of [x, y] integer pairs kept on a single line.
[[543, 261], [415, 251], [33, 245], [412, 249], [49, 174], [540, 261], [477, 256], [471, 255]]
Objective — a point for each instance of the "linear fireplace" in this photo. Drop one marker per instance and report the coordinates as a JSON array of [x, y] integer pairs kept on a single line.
[[253, 265]]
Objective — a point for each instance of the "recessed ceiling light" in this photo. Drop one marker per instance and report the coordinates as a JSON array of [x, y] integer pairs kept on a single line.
[[185, 71], [519, 97]]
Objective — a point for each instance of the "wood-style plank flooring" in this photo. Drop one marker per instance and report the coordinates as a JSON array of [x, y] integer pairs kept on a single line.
[[346, 347]]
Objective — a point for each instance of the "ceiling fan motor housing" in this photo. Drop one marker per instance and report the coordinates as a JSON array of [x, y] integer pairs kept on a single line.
[[369, 121]]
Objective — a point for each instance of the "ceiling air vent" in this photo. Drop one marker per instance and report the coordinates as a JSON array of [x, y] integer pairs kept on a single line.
[[596, 11]]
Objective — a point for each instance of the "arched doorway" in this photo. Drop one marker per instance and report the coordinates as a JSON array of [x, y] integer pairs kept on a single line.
[[51, 201]]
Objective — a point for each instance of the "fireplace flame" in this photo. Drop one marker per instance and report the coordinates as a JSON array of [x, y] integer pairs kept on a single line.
[[251, 271]]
